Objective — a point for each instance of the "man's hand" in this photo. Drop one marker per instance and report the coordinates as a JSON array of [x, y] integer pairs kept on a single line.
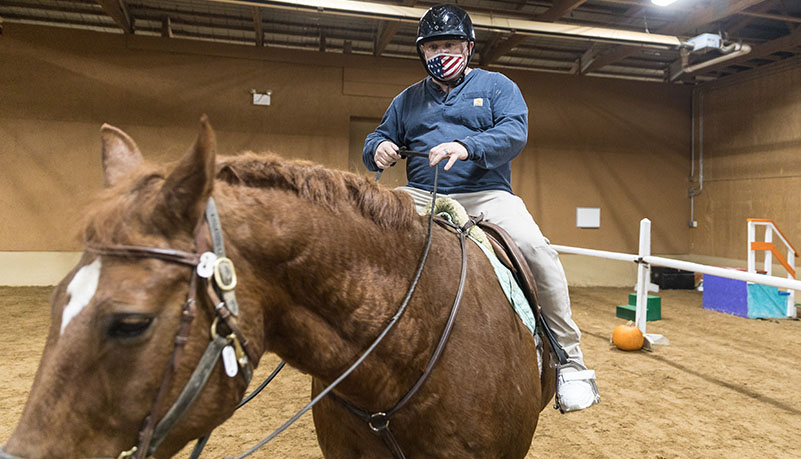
[[454, 151], [386, 154]]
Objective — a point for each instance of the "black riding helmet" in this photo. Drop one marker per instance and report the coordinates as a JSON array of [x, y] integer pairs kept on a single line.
[[443, 22]]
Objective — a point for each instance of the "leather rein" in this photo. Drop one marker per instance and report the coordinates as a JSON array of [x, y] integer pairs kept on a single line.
[[378, 422]]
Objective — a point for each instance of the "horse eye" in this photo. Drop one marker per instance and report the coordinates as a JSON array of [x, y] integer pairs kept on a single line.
[[128, 326]]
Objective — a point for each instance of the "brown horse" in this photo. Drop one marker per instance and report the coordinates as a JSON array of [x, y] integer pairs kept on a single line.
[[323, 260]]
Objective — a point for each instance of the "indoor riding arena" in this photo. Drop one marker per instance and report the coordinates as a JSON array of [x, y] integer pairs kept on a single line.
[[661, 163]]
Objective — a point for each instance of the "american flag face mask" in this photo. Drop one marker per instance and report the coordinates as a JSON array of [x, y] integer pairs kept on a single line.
[[446, 66]]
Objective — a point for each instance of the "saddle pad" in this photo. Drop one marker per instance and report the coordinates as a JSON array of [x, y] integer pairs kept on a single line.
[[512, 290], [452, 211]]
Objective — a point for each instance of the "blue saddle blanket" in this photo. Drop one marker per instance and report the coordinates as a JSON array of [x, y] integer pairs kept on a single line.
[[452, 211]]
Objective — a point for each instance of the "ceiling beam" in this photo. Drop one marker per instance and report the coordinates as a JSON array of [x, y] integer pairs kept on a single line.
[[715, 11], [712, 12], [559, 9], [486, 21], [502, 47], [486, 50], [596, 49], [119, 12], [258, 26], [166, 27], [589, 57], [775, 17], [89, 10], [69, 23], [742, 19], [783, 8], [612, 56], [386, 30], [576, 67]]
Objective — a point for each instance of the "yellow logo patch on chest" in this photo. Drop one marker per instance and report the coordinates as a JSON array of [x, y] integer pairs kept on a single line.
[[478, 102]]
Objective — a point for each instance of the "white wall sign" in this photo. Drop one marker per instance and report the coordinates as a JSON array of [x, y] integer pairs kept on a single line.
[[588, 217]]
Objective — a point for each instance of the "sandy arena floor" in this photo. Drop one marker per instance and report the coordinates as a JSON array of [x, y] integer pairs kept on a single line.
[[725, 387]]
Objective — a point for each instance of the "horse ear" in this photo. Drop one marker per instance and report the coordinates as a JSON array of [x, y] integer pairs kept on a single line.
[[183, 196], [121, 156]]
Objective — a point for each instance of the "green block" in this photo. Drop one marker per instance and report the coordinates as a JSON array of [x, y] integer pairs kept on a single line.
[[653, 300], [629, 312]]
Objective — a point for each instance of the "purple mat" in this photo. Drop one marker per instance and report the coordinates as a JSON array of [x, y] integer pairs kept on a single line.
[[725, 295]]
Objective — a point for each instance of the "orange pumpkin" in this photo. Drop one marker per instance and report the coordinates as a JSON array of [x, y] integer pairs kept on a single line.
[[627, 337]]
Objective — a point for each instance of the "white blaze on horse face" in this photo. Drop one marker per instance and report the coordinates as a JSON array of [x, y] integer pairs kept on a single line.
[[81, 290]]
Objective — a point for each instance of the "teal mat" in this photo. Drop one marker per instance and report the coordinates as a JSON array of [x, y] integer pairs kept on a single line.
[[764, 302]]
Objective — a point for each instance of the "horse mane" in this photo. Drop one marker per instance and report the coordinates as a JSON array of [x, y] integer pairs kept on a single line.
[[331, 189], [115, 216]]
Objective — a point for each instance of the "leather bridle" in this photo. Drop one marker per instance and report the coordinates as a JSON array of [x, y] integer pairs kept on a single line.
[[216, 274]]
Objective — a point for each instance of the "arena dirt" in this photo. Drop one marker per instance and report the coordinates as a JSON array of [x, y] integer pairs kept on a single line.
[[725, 387]]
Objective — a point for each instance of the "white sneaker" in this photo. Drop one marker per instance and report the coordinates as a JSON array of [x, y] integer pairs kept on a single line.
[[575, 387]]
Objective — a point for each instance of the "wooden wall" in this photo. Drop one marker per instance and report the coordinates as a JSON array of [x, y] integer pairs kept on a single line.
[[619, 145], [751, 166], [59, 86]]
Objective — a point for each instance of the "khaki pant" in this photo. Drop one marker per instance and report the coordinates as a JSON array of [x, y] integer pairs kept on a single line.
[[509, 211]]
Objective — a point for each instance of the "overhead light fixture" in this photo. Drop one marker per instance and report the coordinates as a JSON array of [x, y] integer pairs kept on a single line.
[[662, 2]]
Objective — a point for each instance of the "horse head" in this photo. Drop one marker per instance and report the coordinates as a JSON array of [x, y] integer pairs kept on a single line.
[[114, 319]]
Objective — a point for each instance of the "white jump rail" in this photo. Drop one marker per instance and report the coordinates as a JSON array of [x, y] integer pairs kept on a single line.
[[645, 261]]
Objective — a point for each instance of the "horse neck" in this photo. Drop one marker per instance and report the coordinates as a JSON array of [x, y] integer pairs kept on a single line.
[[327, 282]]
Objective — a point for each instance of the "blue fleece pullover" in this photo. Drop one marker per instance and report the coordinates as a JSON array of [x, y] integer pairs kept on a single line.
[[486, 113]]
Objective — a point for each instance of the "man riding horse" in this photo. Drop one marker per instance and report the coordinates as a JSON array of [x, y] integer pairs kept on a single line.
[[477, 121]]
